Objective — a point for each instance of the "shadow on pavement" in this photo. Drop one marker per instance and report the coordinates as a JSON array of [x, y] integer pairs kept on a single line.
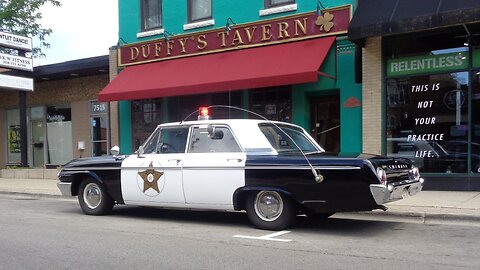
[[332, 225]]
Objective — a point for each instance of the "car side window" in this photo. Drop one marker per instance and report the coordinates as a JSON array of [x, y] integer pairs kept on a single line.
[[223, 141], [172, 140]]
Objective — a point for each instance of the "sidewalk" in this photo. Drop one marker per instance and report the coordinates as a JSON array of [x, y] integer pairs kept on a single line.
[[426, 207]]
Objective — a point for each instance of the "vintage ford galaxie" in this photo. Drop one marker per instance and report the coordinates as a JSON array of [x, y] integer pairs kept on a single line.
[[272, 170]]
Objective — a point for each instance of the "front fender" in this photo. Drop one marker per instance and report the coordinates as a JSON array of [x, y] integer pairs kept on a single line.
[[76, 177]]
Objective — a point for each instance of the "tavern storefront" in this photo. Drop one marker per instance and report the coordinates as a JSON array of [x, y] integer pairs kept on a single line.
[[296, 68], [427, 55]]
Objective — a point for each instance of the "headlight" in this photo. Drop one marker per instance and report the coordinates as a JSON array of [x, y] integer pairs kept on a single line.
[[382, 176], [414, 173]]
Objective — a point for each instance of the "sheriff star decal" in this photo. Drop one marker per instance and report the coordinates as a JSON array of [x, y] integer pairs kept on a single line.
[[151, 179]]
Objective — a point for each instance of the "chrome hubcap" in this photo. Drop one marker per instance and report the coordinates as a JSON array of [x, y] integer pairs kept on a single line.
[[92, 196], [268, 205]]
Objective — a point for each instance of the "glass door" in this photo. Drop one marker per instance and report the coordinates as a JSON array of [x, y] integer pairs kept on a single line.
[[38, 139]]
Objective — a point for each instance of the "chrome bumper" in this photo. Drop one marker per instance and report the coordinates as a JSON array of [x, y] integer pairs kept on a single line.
[[65, 188], [385, 194]]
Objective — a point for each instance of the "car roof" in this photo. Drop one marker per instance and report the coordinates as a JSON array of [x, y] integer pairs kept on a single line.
[[227, 122], [246, 131]]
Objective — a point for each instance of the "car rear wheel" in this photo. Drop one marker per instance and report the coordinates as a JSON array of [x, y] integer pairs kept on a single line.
[[269, 210], [93, 198]]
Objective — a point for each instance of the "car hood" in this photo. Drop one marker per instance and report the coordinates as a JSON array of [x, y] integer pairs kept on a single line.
[[103, 161]]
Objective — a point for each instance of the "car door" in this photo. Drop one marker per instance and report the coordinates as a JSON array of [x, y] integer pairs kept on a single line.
[[155, 176], [213, 168]]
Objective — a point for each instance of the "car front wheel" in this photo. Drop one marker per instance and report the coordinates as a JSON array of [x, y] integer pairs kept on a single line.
[[269, 210], [93, 198]]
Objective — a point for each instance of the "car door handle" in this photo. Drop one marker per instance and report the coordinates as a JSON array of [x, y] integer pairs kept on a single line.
[[235, 159], [176, 160]]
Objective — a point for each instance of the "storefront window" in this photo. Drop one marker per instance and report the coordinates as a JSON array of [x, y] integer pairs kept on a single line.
[[59, 134], [427, 121], [13, 136], [433, 100], [475, 150], [179, 108], [233, 99], [146, 116], [272, 103]]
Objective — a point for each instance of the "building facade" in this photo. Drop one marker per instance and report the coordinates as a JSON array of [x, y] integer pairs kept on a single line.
[[64, 118], [283, 60], [421, 93]]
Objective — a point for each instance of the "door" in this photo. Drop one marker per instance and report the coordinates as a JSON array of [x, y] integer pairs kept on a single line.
[[154, 177], [214, 167], [326, 122], [38, 145], [99, 133]]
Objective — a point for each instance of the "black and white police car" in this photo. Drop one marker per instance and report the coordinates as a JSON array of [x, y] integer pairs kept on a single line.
[[272, 170]]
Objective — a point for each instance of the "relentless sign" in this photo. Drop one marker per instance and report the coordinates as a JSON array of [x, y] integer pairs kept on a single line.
[[427, 64], [280, 30], [16, 62], [16, 83], [15, 42]]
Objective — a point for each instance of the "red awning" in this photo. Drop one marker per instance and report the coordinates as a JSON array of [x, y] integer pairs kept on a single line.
[[290, 63]]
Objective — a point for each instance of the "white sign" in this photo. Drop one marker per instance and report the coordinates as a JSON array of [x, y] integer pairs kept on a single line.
[[16, 42], [16, 83], [16, 62]]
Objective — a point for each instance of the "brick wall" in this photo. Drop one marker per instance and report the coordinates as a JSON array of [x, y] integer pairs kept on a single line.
[[57, 92], [81, 128], [372, 95]]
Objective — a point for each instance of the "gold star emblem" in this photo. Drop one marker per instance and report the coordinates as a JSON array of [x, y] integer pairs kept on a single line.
[[150, 178], [325, 22]]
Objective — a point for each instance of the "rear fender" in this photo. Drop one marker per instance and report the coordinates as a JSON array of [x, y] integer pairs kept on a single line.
[[240, 195]]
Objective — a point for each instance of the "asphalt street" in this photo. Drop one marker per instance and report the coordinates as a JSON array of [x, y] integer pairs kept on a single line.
[[52, 233]]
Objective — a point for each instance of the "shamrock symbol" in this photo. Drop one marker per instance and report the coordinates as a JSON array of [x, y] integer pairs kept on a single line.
[[325, 22]]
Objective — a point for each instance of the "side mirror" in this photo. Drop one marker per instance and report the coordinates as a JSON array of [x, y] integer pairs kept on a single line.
[[140, 151], [115, 150]]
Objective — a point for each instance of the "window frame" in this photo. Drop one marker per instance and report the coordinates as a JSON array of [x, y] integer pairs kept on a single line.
[[269, 4], [193, 132], [143, 13], [190, 5]]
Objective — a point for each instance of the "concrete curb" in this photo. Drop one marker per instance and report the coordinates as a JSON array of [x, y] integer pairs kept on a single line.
[[36, 195], [416, 217]]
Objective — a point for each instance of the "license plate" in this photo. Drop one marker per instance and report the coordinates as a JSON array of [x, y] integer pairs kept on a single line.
[[405, 193]]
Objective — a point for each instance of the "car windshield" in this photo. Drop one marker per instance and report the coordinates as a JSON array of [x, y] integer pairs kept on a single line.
[[166, 140], [288, 139]]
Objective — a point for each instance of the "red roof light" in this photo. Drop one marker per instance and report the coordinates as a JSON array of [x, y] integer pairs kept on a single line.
[[203, 113]]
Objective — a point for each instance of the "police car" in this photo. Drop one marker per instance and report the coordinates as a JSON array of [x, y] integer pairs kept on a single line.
[[272, 170]]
